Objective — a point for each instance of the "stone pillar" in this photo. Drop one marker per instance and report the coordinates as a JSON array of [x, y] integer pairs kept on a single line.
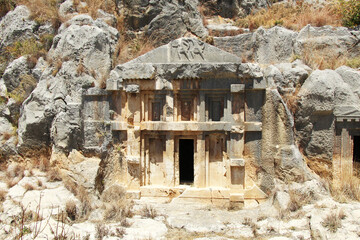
[[200, 162], [169, 106], [169, 159], [133, 136], [202, 110]]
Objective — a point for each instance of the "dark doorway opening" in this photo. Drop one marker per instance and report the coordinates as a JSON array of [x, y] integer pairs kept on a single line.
[[356, 155], [186, 161]]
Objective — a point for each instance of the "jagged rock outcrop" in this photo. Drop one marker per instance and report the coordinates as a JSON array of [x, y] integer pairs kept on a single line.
[[80, 57], [321, 94], [280, 156], [287, 76], [272, 45], [328, 41], [234, 8], [14, 71], [8, 138], [17, 25], [277, 44], [164, 20]]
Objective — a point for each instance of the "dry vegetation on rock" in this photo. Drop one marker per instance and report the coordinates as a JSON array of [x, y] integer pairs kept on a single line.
[[291, 16]]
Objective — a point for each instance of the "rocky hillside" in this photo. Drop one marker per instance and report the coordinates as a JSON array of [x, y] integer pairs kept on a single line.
[[53, 51]]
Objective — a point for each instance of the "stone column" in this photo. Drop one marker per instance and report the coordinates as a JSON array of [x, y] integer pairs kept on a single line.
[[200, 162], [133, 136]]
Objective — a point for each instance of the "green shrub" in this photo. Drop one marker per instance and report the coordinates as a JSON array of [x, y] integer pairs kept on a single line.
[[353, 62], [350, 10]]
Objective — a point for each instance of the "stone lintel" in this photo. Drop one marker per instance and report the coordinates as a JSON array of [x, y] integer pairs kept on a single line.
[[189, 126], [237, 162], [133, 159], [186, 126], [348, 119], [235, 88], [253, 126], [96, 92]]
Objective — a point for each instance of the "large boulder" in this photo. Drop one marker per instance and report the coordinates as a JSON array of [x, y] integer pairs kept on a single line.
[[286, 76], [17, 25], [80, 58], [274, 45], [14, 71], [280, 157], [233, 8], [319, 96], [164, 20], [277, 44], [350, 76], [8, 138], [330, 42]]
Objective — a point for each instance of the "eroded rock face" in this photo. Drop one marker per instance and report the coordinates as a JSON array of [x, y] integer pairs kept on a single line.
[[81, 57], [13, 72], [233, 8], [280, 156], [164, 20], [328, 40], [17, 25], [272, 45], [277, 44], [318, 98], [7, 138], [286, 77]]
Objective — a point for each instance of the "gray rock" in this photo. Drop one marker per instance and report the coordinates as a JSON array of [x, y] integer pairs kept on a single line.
[[234, 8], [8, 138], [351, 77], [83, 170], [272, 45], [333, 41], [280, 156], [291, 77], [165, 20], [16, 25], [13, 72], [67, 9], [88, 42], [319, 96], [106, 17], [51, 114], [282, 200], [39, 68]]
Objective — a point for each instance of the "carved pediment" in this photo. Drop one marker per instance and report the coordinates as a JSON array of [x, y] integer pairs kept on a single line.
[[187, 50]]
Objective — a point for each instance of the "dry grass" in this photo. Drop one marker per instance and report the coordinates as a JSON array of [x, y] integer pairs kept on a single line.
[[70, 209], [298, 199], [117, 207], [16, 171], [6, 6], [81, 193], [353, 62], [318, 57], [101, 231], [349, 190], [29, 187], [292, 16], [332, 222], [43, 11], [2, 195], [54, 175], [127, 50], [149, 212], [6, 136], [215, 33]]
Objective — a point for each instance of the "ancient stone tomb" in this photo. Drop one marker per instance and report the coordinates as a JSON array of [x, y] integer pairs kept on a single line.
[[187, 117]]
